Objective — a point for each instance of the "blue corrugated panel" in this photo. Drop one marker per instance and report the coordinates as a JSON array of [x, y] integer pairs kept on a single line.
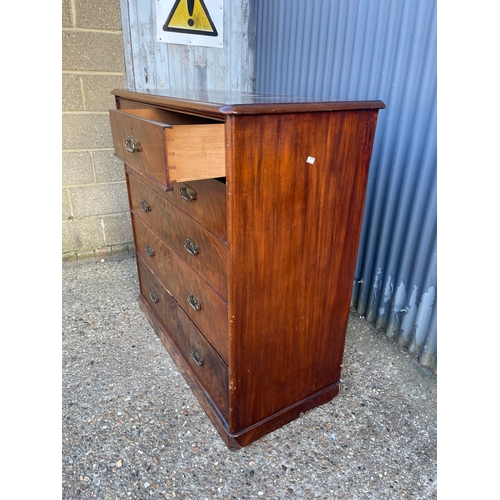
[[374, 49]]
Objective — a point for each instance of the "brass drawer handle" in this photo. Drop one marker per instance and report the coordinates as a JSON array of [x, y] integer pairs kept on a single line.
[[191, 247], [149, 251], [194, 302], [187, 193], [153, 296], [198, 359], [145, 206], [131, 144]]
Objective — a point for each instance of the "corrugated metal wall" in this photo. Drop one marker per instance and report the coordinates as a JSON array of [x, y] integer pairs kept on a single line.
[[152, 65], [345, 49], [374, 49]]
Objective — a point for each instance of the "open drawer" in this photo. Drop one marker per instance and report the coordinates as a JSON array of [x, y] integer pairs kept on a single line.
[[169, 146]]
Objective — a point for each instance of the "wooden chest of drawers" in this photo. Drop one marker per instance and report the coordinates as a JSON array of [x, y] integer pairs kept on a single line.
[[246, 213]]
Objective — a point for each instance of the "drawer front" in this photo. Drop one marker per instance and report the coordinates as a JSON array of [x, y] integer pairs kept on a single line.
[[207, 366], [176, 149], [205, 308], [140, 143], [200, 249], [204, 201]]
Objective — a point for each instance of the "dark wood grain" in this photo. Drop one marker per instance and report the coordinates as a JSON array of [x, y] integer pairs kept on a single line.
[[277, 243], [174, 227], [281, 418], [204, 398], [213, 372], [171, 146], [181, 281], [218, 104], [293, 229], [209, 207], [151, 157]]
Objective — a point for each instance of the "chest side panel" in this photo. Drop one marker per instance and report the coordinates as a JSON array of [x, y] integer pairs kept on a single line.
[[296, 188]]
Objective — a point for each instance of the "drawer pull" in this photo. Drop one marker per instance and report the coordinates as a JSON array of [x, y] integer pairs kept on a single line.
[[131, 144], [153, 296], [196, 356], [145, 206], [149, 251], [194, 302], [187, 193], [191, 247]]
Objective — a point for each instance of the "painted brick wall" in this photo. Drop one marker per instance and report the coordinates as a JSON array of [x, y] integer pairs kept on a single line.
[[95, 218]]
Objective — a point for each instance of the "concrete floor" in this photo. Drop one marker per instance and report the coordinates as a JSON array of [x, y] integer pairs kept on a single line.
[[132, 429]]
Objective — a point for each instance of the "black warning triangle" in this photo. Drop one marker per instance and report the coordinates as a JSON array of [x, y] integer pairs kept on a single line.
[[192, 17]]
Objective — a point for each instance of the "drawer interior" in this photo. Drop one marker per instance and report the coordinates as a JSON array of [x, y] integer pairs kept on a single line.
[[195, 151]]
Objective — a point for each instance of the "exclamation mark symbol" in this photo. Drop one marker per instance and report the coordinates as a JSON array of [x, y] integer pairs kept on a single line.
[[190, 16], [190, 11]]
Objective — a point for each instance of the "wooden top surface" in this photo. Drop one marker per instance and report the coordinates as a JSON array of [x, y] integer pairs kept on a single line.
[[241, 103]]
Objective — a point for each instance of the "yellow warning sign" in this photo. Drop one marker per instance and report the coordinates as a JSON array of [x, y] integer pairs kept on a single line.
[[192, 17]]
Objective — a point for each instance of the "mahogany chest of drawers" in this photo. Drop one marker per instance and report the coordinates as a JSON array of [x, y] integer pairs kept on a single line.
[[246, 213]]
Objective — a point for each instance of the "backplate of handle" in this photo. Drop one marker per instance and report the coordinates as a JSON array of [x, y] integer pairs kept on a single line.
[[145, 206], [149, 251], [187, 193], [131, 144], [191, 247], [153, 296], [194, 302], [197, 357]]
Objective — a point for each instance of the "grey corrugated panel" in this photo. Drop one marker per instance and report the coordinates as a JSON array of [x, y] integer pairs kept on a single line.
[[386, 50], [127, 44], [151, 65]]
